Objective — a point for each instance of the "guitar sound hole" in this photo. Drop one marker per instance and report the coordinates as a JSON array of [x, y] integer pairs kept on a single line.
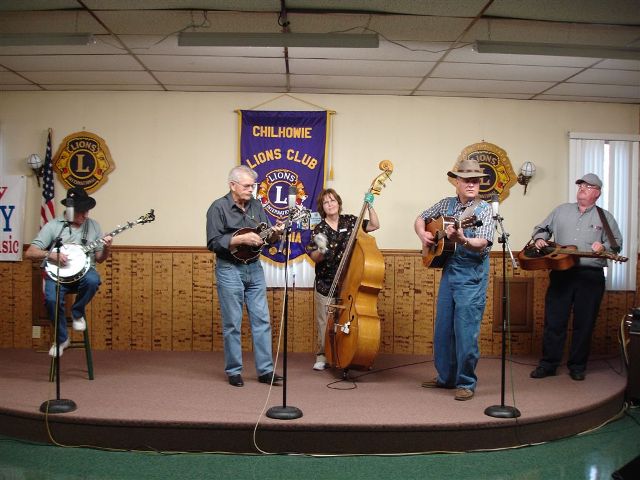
[[535, 253]]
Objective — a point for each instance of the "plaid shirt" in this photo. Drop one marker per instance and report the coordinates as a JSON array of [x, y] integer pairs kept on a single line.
[[453, 207]]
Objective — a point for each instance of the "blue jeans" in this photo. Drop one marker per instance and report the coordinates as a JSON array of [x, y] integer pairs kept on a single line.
[[238, 284], [85, 288], [461, 302]]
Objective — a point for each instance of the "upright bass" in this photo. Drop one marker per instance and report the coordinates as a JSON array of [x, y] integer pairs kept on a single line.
[[352, 337]]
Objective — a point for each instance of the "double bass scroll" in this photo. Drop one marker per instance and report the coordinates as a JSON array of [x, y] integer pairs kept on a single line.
[[352, 337]]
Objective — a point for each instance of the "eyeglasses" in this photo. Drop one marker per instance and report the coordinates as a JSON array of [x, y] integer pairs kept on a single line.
[[246, 186], [586, 186]]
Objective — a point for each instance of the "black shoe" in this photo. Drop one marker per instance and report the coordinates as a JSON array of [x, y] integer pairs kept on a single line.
[[266, 378], [541, 372], [236, 380], [577, 376]]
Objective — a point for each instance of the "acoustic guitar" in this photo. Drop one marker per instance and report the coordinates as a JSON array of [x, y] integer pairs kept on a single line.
[[557, 257], [246, 253], [436, 255]]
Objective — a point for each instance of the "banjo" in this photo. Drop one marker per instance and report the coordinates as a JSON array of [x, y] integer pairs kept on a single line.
[[78, 260]]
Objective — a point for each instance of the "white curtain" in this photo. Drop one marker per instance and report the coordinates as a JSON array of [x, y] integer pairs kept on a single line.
[[619, 174], [587, 156], [301, 273], [622, 195]]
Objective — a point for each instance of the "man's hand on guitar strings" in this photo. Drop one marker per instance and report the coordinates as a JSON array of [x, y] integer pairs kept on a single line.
[[540, 243], [58, 258], [252, 239], [106, 241], [455, 234], [276, 231]]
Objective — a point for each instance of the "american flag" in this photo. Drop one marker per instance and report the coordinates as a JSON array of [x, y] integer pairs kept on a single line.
[[47, 209]]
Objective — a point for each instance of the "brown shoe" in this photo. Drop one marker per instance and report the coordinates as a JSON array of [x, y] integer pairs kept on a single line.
[[463, 394], [433, 383]]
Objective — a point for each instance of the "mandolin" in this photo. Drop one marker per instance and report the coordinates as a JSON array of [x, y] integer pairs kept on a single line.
[[558, 257], [247, 253], [436, 255]]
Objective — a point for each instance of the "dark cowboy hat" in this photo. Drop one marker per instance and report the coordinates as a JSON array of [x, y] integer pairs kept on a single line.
[[81, 201], [467, 168]]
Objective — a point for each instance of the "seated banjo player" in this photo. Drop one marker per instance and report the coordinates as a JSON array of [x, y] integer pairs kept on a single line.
[[75, 229]]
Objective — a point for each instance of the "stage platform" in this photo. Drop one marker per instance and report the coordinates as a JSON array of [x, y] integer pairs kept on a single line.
[[181, 401]]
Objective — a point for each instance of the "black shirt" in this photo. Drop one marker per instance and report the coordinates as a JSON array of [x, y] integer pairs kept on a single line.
[[336, 243], [224, 218]]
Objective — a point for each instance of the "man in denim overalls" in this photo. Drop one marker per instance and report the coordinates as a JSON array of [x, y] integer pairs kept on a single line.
[[465, 275]]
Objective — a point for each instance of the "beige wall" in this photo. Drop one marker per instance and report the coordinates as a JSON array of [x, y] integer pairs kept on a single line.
[[172, 152]]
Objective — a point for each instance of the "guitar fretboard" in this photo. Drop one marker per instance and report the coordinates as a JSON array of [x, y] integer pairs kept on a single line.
[[96, 243]]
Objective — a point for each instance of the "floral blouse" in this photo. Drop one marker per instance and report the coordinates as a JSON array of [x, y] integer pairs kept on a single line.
[[336, 245]]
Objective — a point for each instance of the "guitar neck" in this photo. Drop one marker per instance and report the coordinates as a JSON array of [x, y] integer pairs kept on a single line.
[[299, 216], [96, 243], [578, 253]]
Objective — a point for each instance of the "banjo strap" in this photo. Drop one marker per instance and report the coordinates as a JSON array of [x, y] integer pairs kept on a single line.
[[85, 231]]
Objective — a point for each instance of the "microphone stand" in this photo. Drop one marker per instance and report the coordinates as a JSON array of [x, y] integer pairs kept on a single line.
[[58, 405], [503, 411], [284, 411]]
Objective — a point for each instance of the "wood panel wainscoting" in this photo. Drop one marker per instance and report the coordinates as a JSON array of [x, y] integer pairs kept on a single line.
[[164, 298]]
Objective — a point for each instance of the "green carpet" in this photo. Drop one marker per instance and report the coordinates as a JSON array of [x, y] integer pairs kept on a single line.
[[593, 455]]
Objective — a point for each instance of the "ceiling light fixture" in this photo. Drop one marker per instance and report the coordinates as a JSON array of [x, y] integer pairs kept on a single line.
[[557, 50], [236, 39], [33, 39]]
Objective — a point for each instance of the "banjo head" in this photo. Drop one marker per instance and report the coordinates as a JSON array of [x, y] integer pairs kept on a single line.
[[78, 263]]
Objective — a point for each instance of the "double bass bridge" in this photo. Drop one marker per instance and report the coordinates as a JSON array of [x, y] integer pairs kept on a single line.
[[333, 313]]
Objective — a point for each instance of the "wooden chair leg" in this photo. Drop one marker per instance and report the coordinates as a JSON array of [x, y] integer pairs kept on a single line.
[[86, 344], [88, 354], [52, 370]]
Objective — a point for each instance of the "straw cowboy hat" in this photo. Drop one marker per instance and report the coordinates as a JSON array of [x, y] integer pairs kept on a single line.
[[467, 168]]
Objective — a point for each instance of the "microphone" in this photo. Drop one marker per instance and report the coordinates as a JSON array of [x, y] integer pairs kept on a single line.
[[69, 209], [495, 205], [293, 194]]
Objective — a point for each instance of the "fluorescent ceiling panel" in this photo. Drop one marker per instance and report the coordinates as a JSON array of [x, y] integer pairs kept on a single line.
[[239, 39], [556, 49], [22, 39]]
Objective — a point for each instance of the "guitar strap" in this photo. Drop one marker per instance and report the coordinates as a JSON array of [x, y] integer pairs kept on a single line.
[[614, 245], [470, 209]]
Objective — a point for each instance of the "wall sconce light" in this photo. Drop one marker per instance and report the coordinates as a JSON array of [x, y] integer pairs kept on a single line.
[[527, 170], [36, 165]]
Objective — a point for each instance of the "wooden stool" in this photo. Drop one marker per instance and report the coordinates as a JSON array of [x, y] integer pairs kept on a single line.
[[84, 343]]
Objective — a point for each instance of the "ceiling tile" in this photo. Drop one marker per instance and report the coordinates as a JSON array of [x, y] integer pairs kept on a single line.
[[503, 72], [366, 83], [611, 77], [207, 79], [81, 78], [10, 78], [483, 86], [194, 63], [591, 90], [69, 62], [360, 67]]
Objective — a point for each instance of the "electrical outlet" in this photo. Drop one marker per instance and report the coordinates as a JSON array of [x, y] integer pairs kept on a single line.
[[36, 331]]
